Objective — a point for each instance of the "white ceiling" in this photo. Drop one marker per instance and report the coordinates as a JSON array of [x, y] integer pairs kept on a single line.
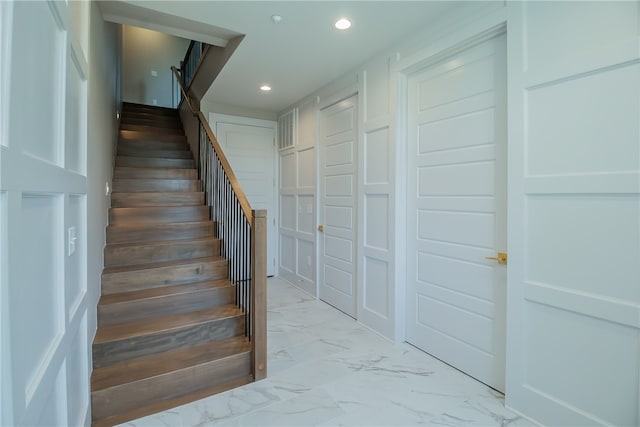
[[297, 56]]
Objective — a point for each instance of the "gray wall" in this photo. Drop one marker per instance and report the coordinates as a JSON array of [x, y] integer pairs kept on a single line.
[[145, 51]]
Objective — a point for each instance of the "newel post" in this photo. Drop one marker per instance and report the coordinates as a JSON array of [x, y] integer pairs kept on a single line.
[[259, 293]]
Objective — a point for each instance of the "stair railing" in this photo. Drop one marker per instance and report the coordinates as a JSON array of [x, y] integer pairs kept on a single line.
[[189, 64], [242, 232]]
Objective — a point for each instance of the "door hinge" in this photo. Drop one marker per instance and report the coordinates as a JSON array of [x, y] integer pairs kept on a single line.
[[274, 262], [274, 222]]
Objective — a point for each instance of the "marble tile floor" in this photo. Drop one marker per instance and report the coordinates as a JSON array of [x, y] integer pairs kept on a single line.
[[324, 369]]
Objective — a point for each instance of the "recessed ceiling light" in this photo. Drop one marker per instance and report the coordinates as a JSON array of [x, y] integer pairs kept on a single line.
[[276, 18], [342, 24], [265, 88]]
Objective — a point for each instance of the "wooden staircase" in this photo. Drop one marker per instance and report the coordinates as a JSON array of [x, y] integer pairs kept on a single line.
[[169, 331]]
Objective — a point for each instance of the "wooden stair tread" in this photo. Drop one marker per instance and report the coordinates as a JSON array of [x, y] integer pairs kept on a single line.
[[154, 162], [157, 214], [152, 130], [158, 242], [142, 232], [152, 265], [162, 291], [154, 209], [160, 249], [145, 327], [157, 153], [155, 180], [138, 226], [137, 369], [148, 170], [128, 106], [157, 198], [138, 135], [136, 144], [154, 173]]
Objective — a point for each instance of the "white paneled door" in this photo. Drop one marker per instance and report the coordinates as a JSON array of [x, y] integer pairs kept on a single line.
[[249, 147], [337, 242], [456, 212]]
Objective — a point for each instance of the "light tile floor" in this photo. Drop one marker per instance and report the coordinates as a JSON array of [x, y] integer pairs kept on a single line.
[[324, 369]]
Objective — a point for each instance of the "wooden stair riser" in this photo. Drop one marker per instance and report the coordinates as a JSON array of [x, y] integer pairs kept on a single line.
[[148, 308], [142, 162], [151, 112], [150, 173], [121, 350], [132, 135], [119, 200], [168, 386], [152, 145], [172, 403], [142, 120], [128, 107], [134, 280], [162, 154], [151, 129], [152, 252], [151, 115], [151, 185], [153, 215], [170, 125], [140, 369], [196, 230]]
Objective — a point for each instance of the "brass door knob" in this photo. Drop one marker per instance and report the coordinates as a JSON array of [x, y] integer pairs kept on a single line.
[[501, 258], [321, 228]]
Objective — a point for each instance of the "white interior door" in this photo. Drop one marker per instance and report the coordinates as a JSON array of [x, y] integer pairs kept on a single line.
[[457, 211], [338, 144], [249, 147]]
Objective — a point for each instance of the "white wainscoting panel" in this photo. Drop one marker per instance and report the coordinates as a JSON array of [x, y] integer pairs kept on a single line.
[[44, 334], [43, 141], [376, 156], [376, 77], [76, 118], [306, 214], [376, 199], [376, 291], [574, 336]]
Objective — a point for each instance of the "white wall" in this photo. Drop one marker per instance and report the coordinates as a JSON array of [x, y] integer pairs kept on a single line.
[[208, 106], [56, 145], [105, 101], [145, 51], [556, 62]]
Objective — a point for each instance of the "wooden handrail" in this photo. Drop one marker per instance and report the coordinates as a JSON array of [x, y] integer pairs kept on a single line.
[[184, 93], [242, 197], [189, 49]]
